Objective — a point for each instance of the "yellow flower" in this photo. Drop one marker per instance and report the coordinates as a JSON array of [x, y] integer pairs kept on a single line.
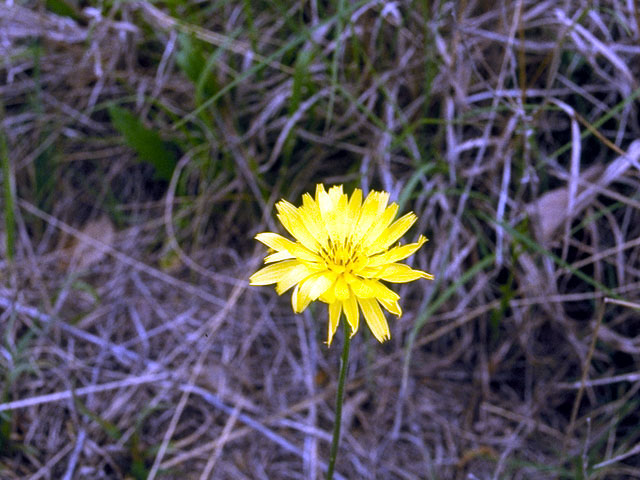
[[343, 250]]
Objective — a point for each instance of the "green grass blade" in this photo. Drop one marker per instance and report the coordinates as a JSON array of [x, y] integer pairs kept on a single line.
[[147, 143], [9, 192]]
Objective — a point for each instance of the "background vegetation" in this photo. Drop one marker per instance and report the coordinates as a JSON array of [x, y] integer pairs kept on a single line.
[[143, 145]]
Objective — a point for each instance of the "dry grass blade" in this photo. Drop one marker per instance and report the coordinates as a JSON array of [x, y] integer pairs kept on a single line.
[[66, 395], [167, 22]]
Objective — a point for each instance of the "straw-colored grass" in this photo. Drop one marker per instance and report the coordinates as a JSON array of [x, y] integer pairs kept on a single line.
[[147, 143]]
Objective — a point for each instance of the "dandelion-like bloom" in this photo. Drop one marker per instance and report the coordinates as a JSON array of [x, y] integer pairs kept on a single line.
[[343, 250]]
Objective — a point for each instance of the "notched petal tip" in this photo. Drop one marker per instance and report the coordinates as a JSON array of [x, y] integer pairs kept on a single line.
[[375, 319], [391, 306]]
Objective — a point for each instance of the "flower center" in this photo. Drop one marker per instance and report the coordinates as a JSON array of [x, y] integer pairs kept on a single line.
[[343, 258]]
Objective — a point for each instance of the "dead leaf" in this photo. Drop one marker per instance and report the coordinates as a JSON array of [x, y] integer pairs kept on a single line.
[[100, 229], [550, 211]]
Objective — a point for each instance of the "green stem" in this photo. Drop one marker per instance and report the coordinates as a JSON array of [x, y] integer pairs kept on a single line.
[[9, 191], [344, 361]]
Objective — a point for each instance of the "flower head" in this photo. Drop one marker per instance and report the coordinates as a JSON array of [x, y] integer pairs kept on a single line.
[[344, 247]]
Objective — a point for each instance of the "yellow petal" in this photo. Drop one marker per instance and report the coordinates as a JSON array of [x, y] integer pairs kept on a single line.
[[290, 219], [327, 201], [352, 313], [294, 296], [335, 309], [355, 203], [310, 215], [341, 289], [328, 296], [349, 278], [279, 243], [333, 208], [362, 289], [319, 192], [375, 318], [381, 291], [342, 223], [291, 277], [393, 233], [275, 241], [392, 307], [370, 240], [312, 287], [395, 254], [335, 194], [371, 210], [277, 257], [400, 273], [273, 273]]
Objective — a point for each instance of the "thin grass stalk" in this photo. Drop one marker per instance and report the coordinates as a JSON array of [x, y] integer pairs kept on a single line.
[[8, 187], [583, 379]]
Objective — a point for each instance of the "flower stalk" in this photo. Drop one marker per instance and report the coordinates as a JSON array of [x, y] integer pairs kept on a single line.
[[344, 363]]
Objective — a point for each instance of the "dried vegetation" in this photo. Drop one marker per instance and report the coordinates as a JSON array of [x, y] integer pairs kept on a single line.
[[147, 143]]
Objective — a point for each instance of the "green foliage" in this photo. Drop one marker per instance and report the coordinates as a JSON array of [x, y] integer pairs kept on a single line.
[[46, 166], [8, 191], [45, 163], [146, 142], [198, 66], [10, 372], [108, 427], [411, 185], [302, 83], [63, 8], [191, 59], [139, 469], [508, 288], [5, 432], [302, 87]]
